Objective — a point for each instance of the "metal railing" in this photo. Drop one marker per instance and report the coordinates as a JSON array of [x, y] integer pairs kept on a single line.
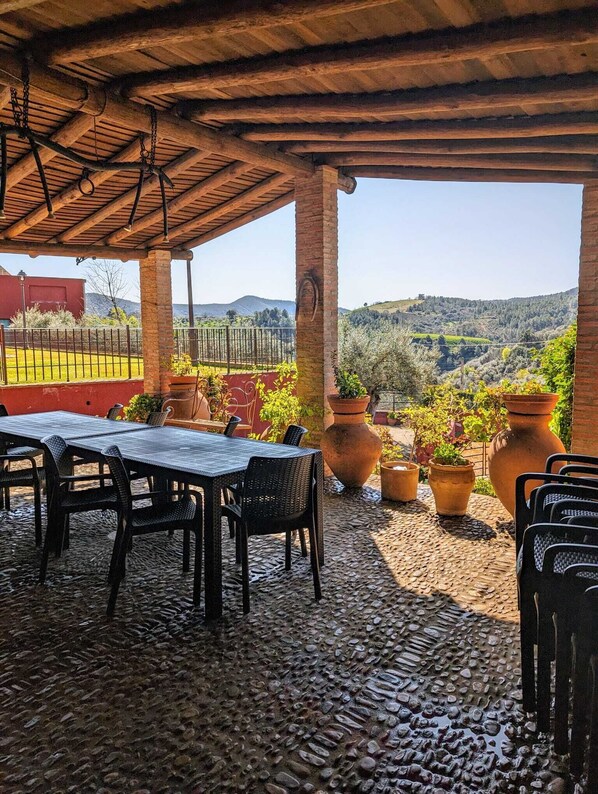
[[41, 355]]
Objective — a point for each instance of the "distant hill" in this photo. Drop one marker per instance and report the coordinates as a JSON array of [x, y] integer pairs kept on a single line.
[[247, 305], [499, 320]]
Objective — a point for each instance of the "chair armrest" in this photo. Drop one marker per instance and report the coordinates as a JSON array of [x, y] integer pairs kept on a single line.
[[196, 496], [578, 468], [572, 571], [13, 458], [557, 513], [523, 511], [570, 457], [75, 478], [552, 552]]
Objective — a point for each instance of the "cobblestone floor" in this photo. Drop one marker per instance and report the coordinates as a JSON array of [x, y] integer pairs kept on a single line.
[[403, 679]]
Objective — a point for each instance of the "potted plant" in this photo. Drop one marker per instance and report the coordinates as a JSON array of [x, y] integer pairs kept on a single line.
[[140, 406], [451, 478], [350, 447], [183, 374], [392, 417], [527, 441]]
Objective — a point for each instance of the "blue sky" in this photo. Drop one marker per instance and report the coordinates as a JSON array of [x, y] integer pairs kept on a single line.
[[396, 239]]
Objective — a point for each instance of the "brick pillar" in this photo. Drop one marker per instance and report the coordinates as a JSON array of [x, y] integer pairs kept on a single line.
[[156, 320], [316, 220], [585, 399]]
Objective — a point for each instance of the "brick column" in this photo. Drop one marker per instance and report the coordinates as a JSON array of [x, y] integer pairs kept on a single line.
[[156, 320], [585, 399], [316, 219]]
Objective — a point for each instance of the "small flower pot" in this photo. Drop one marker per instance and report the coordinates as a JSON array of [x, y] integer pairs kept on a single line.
[[399, 480], [392, 422], [452, 487]]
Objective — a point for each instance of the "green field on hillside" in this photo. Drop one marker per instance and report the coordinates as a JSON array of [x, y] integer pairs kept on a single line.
[[394, 306], [455, 340]]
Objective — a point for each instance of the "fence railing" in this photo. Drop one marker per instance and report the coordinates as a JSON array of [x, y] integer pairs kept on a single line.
[[40, 355]]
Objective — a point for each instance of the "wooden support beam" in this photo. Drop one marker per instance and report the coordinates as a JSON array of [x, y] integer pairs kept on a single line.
[[528, 162], [242, 220], [484, 96], [88, 251], [66, 196], [213, 182], [173, 169], [573, 144], [501, 127], [469, 174], [174, 24], [70, 132], [524, 34], [76, 94], [271, 183], [6, 6]]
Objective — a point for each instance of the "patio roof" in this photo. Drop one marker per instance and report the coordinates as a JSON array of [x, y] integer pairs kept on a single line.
[[252, 94]]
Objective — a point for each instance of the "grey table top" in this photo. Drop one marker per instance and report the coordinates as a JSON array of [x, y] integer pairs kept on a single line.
[[33, 427], [207, 455]]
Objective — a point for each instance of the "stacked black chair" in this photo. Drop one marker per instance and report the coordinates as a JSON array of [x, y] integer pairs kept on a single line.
[[65, 499], [184, 513], [585, 691], [11, 453], [277, 496]]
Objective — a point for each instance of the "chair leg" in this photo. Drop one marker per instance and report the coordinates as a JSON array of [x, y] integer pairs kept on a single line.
[[37, 507], [66, 535], [287, 550], [303, 542], [528, 629], [198, 565], [237, 536], [315, 562], [116, 549], [580, 710], [561, 686], [49, 541], [592, 781], [186, 550], [242, 531], [545, 654], [118, 575]]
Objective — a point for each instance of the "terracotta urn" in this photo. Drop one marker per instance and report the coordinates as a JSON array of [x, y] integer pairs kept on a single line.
[[350, 447], [452, 487], [180, 384], [524, 446], [399, 480]]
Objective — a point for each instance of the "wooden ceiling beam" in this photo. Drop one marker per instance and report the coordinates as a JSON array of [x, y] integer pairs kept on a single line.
[[524, 34], [528, 162], [271, 183], [70, 132], [87, 251], [501, 127], [76, 94], [207, 185], [67, 195], [175, 24], [573, 144], [469, 174], [244, 219], [17, 5], [173, 169], [486, 96]]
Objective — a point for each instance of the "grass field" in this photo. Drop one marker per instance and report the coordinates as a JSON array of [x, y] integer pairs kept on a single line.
[[35, 366], [394, 306], [455, 340]]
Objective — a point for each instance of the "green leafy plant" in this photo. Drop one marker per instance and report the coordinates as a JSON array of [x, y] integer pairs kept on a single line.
[[530, 386], [215, 389], [557, 363], [280, 404], [391, 449], [436, 420], [484, 487], [181, 365], [488, 417], [140, 406], [392, 415], [348, 384], [448, 455]]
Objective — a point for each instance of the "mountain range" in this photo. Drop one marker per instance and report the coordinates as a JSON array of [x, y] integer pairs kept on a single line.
[[246, 306]]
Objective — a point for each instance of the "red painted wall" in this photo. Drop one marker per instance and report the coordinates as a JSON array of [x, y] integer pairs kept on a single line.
[[96, 397], [50, 294]]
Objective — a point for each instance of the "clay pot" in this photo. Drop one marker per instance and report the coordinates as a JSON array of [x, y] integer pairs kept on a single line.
[[399, 480], [391, 421], [182, 383], [452, 487], [350, 447], [524, 446]]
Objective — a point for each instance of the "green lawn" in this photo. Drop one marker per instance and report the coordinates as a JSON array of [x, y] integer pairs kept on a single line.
[[36, 366], [455, 340]]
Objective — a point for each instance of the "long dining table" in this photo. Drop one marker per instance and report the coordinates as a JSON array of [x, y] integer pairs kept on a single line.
[[210, 461]]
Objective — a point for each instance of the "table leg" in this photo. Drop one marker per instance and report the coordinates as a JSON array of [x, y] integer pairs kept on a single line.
[[319, 501], [213, 551]]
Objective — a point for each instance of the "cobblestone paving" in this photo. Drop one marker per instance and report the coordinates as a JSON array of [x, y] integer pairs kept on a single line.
[[403, 679]]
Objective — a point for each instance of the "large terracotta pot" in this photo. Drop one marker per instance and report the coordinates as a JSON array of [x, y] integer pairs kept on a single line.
[[524, 446], [180, 384], [452, 487], [350, 447], [399, 480]]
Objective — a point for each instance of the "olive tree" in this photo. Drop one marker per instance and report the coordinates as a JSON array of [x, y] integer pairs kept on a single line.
[[386, 359]]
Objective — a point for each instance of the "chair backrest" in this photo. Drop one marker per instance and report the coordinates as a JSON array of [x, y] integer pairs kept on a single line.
[[293, 435], [277, 489], [157, 418], [120, 477], [3, 410], [57, 459], [231, 425], [242, 400], [114, 412]]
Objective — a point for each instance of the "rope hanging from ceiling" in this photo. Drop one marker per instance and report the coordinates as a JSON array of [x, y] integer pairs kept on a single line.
[[21, 129]]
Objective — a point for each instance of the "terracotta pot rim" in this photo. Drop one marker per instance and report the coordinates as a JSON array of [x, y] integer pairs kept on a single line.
[[351, 405], [444, 466], [389, 465], [539, 404]]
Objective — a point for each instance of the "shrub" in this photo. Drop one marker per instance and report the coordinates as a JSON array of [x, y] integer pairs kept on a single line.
[[141, 406], [449, 455], [215, 389], [557, 363], [437, 420], [484, 486], [181, 365], [348, 384], [280, 404]]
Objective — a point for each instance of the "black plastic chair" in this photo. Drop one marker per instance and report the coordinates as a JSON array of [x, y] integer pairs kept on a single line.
[[231, 426], [184, 513], [585, 691], [114, 412], [25, 477], [12, 452], [566, 458], [158, 418], [294, 435], [64, 500], [277, 496]]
